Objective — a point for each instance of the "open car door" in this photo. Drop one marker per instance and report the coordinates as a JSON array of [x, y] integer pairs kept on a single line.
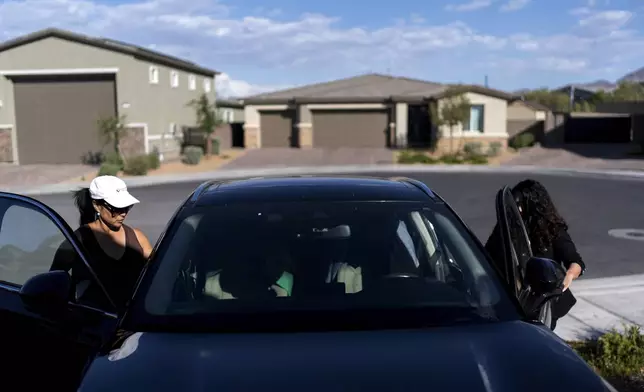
[[46, 339], [515, 252]]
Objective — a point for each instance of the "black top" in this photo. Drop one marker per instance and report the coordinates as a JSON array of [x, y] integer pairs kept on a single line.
[[561, 250], [118, 276]]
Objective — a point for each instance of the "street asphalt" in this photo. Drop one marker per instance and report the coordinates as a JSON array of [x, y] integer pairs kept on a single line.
[[592, 207]]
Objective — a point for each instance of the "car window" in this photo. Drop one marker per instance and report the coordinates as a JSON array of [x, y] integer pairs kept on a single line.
[[32, 243], [28, 242], [519, 241], [318, 256]]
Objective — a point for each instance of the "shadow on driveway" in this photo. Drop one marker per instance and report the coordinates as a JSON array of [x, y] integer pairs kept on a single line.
[[582, 156]]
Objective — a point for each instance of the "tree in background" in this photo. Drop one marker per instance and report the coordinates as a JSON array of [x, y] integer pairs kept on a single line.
[[454, 109], [628, 91], [558, 101], [207, 118], [111, 130]]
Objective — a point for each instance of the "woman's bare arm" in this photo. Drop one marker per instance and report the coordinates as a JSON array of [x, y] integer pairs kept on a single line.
[[145, 243]]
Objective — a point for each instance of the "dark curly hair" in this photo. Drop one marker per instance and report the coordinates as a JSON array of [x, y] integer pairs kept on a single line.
[[542, 221]]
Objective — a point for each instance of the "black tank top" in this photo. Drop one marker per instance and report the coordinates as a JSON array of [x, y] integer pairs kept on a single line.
[[117, 275]]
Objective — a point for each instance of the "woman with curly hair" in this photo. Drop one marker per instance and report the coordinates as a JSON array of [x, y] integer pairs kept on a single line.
[[549, 238]]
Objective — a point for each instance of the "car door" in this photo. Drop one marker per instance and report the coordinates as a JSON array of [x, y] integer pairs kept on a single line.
[[43, 349], [515, 243]]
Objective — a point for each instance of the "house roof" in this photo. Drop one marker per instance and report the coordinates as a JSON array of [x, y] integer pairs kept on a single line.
[[371, 87], [229, 103], [535, 105], [473, 88], [110, 44]]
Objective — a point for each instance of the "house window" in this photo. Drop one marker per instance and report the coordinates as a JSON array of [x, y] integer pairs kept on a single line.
[[475, 121], [192, 82], [174, 79], [206, 85], [153, 75]]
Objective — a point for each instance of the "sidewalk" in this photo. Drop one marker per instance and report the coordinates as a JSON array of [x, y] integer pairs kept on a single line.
[[603, 304]]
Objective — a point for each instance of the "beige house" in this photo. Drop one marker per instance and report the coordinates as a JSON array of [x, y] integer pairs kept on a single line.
[[55, 85], [527, 117], [368, 111], [527, 110]]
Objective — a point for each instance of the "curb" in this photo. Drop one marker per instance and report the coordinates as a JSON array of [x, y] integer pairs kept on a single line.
[[355, 169]]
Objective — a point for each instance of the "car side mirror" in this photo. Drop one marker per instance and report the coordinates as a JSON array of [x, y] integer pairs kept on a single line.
[[545, 278], [48, 293]]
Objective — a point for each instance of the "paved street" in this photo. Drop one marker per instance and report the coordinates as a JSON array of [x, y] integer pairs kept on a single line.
[[592, 206]]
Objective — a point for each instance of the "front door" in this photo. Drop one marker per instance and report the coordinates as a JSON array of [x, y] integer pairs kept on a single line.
[[43, 351]]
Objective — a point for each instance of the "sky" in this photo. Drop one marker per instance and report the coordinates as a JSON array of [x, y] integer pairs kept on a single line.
[[266, 45]]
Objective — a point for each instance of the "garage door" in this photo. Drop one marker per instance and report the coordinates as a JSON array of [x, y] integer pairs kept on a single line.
[[56, 117], [348, 128], [277, 128]]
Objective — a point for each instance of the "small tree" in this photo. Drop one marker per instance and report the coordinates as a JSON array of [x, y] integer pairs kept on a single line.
[[111, 130], [454, 109], [207, 118]]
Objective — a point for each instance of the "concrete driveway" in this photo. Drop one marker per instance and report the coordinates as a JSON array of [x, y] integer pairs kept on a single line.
[[14, 176], [295, 157]]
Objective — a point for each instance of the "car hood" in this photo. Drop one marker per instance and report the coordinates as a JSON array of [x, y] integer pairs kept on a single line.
[[499, 357]]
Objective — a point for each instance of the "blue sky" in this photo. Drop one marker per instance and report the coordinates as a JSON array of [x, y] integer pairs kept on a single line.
[[272, 44]]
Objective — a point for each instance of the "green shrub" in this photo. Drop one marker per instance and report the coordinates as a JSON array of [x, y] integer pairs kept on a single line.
[[109, 169], [494, 149], [216, 146], [113, 158], [522, 141], [614, 354], [411, 157], [154, 161], [473, 149], [452, 159], [192, 155], [477, 160], [137, 166]]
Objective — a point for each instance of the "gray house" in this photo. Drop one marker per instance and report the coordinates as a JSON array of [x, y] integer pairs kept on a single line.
[[231, 132], [55, 85], [230, 111]]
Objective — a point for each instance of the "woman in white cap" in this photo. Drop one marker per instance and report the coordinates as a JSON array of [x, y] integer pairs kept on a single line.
[[116, 251]]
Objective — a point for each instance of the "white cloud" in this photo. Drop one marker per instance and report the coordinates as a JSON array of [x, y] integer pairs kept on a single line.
[[606, 20], [227, 87], [558, 64], [473, 5], [514, 5], [205, 32]]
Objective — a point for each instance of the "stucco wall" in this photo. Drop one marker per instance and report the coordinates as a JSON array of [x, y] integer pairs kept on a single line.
[[157, 105], [231, 115], [519, 111], [494, 120]]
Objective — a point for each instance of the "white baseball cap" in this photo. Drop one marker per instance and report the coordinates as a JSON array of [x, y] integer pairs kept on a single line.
[[113, 190]]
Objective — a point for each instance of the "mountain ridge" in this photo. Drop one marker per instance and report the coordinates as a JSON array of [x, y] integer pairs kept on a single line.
[[636, 76]]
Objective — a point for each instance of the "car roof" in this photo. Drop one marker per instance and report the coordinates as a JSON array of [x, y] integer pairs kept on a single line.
[[311, 188]]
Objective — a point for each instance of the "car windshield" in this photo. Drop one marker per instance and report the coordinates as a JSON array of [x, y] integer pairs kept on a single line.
[[289, 257]]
